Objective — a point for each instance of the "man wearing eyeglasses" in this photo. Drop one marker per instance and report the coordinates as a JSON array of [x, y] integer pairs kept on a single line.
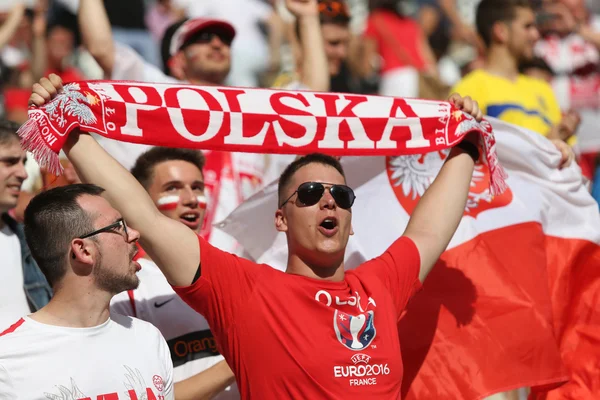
[[198, 51], [73, 347], [315, 331]]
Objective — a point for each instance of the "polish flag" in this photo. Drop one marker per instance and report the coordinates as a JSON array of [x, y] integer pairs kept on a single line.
[[514, 300], [170, 202]]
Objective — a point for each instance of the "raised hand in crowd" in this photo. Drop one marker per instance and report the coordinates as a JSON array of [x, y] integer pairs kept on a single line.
[[314, 66], [567, 127], [39, 53], [566, 153], [11, 24], [303, 8]]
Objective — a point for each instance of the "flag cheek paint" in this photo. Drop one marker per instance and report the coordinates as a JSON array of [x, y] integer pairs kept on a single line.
[[170, 202]]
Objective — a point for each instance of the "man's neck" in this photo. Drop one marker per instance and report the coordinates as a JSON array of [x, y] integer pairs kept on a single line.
[[74, 306], [201, 82], [333, 272], [501, 63]]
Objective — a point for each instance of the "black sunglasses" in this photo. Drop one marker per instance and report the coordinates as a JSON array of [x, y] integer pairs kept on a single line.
[[120, 223], [207, 36], [309, 194]]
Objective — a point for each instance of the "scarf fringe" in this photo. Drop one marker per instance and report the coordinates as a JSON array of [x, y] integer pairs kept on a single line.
[[497, 182], [32, 141], [498, 175]]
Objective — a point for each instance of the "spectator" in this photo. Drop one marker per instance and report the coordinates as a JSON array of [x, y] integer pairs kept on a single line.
[[24, 288], [334, 18], [73, 347], [256, 48], [571, 46], [509, 32], [54, 46], [174, 180], [403, 48], [265, 320], [190, 58]]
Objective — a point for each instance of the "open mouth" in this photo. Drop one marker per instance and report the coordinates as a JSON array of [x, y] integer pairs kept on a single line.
[[191, 219], [328, 226]]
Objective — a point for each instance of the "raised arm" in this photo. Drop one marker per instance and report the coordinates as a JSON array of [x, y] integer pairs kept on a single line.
[[315, 69], [39, 53], [170, 244], [11, 24], [96, 33], [438, 213]]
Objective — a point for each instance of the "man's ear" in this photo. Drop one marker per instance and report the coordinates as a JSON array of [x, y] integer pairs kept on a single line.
[[177, 65], [280, 221], [500, 32], [82, 256]]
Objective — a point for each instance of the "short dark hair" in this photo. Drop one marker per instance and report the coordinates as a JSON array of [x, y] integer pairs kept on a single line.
[[490, 12], [143, 170], [537, 63], [8, 131], [165, 44], [52, 219], [313, 158]]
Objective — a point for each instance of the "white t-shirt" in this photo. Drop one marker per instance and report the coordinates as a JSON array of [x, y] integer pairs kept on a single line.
[[120, 359], [192, 345], [13, 301], [576, 84]]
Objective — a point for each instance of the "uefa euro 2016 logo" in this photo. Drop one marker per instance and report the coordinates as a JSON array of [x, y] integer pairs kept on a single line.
[[356, 332]]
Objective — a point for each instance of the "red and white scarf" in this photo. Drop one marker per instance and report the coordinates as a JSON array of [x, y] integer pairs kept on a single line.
[[252, 120]]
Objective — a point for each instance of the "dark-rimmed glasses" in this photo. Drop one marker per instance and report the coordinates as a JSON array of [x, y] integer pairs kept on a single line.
[[120, 223], [309, 194]]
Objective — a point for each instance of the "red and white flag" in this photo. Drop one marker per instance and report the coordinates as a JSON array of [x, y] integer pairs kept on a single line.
[[514, 300]]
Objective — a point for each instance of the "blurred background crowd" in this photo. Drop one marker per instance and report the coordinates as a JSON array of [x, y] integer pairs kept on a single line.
[[405, 48]]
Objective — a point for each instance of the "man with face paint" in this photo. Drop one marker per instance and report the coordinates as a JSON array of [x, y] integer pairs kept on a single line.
[[315, 331], [174, 180]]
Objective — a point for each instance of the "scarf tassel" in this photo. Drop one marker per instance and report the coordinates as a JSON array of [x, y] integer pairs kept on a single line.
[[33, 141]]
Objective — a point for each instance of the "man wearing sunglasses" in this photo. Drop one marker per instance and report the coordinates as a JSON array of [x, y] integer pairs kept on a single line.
[[73, 347], [198, 51], [315, 331]]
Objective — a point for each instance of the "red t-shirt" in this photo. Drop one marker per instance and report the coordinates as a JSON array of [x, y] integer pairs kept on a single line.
[[400, 31], [288, 336]]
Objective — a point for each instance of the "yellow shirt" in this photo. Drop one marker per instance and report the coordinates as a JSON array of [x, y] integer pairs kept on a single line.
[[526, 102]]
